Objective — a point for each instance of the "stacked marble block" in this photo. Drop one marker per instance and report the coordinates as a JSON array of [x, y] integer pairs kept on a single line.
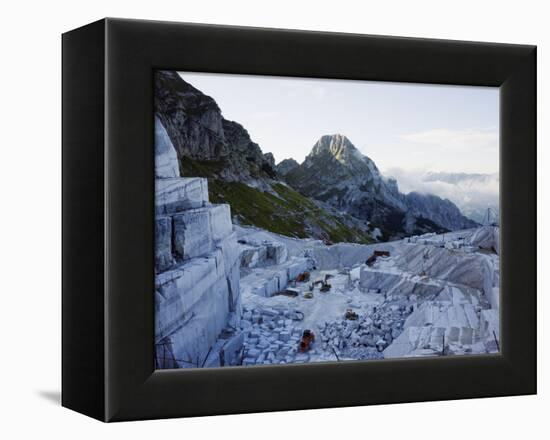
[[197, 292]]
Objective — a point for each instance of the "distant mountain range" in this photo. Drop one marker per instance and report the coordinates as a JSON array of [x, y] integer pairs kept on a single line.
[[473, 193], [336, 194], [337, 173]]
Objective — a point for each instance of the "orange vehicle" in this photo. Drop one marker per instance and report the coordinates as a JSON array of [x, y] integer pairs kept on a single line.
[[308, 338], [372, 259]]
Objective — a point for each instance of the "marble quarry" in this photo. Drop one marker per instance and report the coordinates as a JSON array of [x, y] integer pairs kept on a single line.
[[229, 295]]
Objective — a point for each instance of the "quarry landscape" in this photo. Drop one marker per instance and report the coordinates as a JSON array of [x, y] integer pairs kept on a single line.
[[263, 263]]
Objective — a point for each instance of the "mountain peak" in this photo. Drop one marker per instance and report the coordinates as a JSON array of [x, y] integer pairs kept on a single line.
[[337, 145]]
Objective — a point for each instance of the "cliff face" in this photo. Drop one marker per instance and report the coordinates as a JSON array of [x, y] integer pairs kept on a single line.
[[197, 129], [337, 173], [285, 166]]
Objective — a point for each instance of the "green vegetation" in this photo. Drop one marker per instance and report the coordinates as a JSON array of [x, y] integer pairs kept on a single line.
[[287, 213], [284, 211], [205, 168]]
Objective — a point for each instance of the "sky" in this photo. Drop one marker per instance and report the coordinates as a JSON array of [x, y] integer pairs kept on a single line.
[[407, 127]]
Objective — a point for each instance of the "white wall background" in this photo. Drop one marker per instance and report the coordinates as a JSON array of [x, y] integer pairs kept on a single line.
[[30, 232]]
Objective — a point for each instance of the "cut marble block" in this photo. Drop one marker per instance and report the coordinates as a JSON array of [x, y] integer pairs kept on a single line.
[[375, 279], [461, 315], [193, 341], [230, 250], [163, 243], [396, 284], [220, 221], [196, 230], [177, 194], [192, 237], [267, 253], [253, 256], [166, 158], [271, 280], [199, 298], [185, 286], [282, 278], [276, 252]]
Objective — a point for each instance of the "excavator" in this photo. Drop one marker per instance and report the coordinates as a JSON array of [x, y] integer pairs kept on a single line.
[[325, 286]]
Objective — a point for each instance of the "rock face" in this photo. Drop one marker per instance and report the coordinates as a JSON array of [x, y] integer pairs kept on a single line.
[[337, 173], [286, 165], [197, 299], [166, 159], [441, 211], [197, 129]]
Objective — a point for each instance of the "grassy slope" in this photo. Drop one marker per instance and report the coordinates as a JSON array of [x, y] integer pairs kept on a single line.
[[287, 213]]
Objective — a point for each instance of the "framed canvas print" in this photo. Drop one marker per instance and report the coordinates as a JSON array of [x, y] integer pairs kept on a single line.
[[261, 219]]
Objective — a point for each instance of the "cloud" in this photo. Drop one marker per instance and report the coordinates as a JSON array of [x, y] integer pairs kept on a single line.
[[472, 193], [465, 140]]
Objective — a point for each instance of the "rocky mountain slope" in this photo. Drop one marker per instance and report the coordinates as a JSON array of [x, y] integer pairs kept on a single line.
[[197, 129], [336, 173], [286, 165], [472, 192], [238, 172]]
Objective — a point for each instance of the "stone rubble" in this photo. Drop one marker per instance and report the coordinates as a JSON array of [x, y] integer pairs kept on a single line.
[[272, 336]]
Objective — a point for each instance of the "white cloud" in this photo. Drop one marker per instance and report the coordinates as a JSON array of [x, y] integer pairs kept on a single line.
[[464, 140], [472, 193]]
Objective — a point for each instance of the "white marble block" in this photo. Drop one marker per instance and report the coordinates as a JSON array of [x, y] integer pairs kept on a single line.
[[220, 221], [185, 286], [177, 194], [192, 236], [277, 252], [166, 158], [163, 243], [375, 279]]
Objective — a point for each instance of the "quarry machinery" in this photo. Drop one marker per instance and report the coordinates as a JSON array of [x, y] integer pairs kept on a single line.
[[308, 338], [375, 255]]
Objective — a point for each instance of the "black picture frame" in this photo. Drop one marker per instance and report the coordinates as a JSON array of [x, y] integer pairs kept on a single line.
[[108, 219]]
